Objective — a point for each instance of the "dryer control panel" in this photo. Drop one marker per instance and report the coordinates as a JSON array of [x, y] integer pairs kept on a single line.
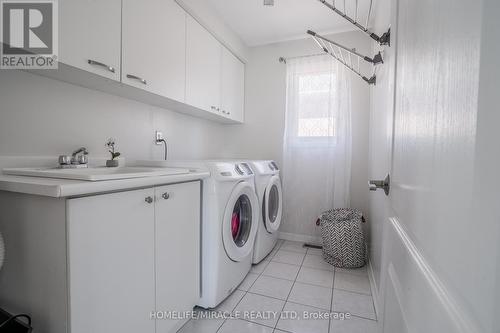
[[233, 170], [265, 167], [273, 166]]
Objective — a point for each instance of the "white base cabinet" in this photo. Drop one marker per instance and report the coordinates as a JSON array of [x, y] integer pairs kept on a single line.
[[177, 251], [129, 256], [111, 262]]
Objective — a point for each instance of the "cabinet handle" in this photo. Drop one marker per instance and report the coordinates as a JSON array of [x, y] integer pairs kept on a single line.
[[149, 200], [97, 63], [130, 76], [165, 195]]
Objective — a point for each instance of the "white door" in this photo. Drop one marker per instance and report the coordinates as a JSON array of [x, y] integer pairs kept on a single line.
[[154, 47], [177, 242], [111, 262], [203, 68], [436, 271], [233, 86], [240, 222], [273, 204], [90, 36]]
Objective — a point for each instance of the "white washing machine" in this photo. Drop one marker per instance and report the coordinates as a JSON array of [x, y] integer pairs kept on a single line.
[[270, 196], [230, 215]]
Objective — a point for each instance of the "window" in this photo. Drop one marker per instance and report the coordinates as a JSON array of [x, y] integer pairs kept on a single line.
[[315, 117]]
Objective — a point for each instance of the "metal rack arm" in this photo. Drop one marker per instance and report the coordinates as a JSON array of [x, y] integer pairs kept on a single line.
[[371, 80], [377, 59], [382, 40]]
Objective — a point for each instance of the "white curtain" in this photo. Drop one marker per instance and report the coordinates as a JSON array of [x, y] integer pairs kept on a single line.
[[317, 142]]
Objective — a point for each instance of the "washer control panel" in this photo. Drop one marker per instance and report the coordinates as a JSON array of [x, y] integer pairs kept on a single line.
[[243, 169]]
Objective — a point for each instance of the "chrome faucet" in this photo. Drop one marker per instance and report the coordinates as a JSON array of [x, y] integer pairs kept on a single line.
[[82, 150], [78, 159], [79, 156]]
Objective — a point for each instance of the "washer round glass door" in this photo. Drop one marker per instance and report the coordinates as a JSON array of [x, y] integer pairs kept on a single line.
[[240, 225], [273, 205]]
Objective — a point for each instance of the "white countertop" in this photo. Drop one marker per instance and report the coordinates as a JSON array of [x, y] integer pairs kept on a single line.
[[60, 188]]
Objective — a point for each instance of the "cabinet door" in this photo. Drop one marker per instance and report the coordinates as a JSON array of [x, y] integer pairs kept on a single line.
[[233, 86], [111, 262], [177, 250], [90, 30], [203, 68], [154, 47]]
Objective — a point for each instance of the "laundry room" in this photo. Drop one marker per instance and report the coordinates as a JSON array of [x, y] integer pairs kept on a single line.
[[214, 166]]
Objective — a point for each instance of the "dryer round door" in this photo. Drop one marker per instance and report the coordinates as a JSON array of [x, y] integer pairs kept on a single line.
[[273, 205], [240, 222]]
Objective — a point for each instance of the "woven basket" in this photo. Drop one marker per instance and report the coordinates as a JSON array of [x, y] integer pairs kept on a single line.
[[343, 238]]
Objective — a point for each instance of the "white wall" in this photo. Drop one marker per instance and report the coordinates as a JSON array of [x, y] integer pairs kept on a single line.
[[262, 134], [45, 117], [210, 19], [380, 138], [487, 159]]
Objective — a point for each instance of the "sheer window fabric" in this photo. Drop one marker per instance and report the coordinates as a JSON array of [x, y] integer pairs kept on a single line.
[[317, 141]]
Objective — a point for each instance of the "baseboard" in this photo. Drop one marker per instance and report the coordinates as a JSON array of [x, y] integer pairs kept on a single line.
[[299, 238], [373, 285]]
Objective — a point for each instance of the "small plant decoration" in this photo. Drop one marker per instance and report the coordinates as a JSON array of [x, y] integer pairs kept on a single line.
[[111, 146]]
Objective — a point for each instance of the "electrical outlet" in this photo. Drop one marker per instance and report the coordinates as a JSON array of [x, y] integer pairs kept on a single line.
[[158, 137]]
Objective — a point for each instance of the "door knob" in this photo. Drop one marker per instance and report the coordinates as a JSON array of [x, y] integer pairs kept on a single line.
[[149, 200], [165, 195], [382, 184]]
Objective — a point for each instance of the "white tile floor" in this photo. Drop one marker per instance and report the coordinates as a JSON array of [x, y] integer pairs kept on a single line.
[[296, 279]]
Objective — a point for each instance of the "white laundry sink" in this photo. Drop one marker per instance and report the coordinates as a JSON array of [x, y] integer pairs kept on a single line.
[[95, 173]]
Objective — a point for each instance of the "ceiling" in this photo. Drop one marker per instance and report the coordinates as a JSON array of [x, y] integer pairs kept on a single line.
[[257, 24]]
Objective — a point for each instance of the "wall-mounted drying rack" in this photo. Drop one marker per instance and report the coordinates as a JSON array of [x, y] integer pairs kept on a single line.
[[377, 59], [385, 39], [329, 47]]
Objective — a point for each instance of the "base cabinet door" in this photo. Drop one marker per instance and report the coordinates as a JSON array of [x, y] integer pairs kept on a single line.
[[90, 36], [111, 262], [177, 224]]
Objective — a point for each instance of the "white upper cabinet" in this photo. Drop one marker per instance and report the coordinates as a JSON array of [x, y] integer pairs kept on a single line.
[[233, 86], [89, 36], [203, 68], [154, 47]]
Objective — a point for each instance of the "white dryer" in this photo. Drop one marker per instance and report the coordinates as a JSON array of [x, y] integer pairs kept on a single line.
[[230, 216], [270, 196]]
